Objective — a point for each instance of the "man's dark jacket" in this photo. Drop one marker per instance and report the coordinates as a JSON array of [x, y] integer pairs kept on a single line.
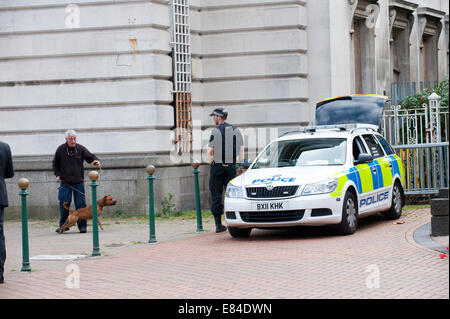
[[68, 163], [6, 171]]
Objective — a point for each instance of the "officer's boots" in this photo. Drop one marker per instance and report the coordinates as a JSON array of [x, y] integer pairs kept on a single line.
[[219, 226]]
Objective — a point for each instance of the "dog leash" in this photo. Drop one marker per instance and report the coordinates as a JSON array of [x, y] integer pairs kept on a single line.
[[84, 195], [72, 188]]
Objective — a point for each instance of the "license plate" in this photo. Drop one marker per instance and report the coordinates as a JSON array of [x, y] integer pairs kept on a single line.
[[270, 206]]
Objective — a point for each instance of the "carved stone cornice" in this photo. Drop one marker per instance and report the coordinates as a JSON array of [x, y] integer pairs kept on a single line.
[[367, 10], [402, 12], [431, 18], [422, 23], [353, 4], [403, 5], [392, 15], [446, 31]]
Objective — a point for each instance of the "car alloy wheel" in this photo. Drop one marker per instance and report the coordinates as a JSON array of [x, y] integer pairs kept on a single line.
[[349, 221], [397, 200], [395, 211], [350, 209]]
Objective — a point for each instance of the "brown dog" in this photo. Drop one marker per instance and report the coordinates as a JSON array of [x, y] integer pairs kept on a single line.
[[85, 213]]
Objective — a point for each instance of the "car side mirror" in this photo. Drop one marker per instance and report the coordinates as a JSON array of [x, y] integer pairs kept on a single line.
[[363, 158]]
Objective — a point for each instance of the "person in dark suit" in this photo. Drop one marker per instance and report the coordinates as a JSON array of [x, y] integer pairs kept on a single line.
[[225, 147], [6, 171]]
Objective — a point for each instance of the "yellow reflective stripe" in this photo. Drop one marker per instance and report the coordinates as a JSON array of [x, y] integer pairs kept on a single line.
[[335, 194], [342, 179], [401, 169], [386, 171], [365, 176], [335, 97], [400, 166]]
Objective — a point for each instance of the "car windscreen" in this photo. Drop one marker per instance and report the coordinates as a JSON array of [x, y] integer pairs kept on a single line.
[[303, 152]]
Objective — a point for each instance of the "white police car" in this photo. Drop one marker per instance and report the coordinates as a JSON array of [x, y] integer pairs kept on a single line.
[[334, 173]]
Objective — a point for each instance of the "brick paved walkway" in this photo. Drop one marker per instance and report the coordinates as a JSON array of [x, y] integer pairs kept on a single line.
[[300, 263]]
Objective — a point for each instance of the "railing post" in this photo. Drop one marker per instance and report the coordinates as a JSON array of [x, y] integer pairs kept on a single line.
[[23, 185], [151, 208], [435, 123], [195, 165], [93, 175], [396, 109]]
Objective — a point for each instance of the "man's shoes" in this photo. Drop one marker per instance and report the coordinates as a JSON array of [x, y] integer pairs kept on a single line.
[[58, 229], [219, 227], [83, 230], [1, 280]]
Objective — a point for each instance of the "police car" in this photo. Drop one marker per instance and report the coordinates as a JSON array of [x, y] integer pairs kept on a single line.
[[333, 173]]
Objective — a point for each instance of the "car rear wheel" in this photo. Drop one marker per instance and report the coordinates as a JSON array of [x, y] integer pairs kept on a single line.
[[239, 232], [397, 204], [349, 220]]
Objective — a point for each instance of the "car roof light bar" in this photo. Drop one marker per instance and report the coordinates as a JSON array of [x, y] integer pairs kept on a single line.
[[339, 127]]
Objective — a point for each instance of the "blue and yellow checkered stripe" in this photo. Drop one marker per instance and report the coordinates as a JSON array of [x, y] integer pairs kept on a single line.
[[366, 180]]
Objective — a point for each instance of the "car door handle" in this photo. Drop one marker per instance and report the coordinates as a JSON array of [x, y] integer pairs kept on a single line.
[[374, 169]]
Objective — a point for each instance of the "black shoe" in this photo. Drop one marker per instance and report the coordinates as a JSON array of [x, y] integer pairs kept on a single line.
[[1, 280], [221, 228], [83, 230], [58, 230]]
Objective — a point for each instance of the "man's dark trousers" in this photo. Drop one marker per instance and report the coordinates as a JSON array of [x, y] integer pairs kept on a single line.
[[65, 195], [2, 243], [220, 175]]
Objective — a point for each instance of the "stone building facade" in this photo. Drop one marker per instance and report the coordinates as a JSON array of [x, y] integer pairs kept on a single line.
[[106, 69]]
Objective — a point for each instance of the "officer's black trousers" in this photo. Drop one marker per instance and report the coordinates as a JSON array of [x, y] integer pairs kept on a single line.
[[219, 177], [2, 243]]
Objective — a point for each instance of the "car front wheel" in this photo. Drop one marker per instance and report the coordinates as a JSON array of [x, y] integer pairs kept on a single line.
[[349, 220], [237, 232]]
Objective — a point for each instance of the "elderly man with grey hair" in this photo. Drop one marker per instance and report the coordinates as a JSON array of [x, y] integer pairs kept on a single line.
[[69, 170]]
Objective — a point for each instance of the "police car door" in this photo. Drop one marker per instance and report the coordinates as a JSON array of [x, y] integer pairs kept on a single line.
[[362, 176], [381, 174], [389, 166]]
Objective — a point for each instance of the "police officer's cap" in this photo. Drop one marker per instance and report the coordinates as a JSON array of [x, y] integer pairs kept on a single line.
[[220, 112]]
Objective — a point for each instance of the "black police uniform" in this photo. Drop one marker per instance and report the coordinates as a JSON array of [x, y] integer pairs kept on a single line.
[[226, 141]]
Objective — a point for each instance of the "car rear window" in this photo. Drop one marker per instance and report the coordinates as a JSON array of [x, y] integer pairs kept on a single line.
[[387, 148], [374, 146]]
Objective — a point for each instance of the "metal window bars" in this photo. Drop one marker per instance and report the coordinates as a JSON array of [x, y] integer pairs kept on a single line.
[[182, 76]]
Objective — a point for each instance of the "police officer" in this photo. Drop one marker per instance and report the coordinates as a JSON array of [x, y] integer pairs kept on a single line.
[[224, 149]]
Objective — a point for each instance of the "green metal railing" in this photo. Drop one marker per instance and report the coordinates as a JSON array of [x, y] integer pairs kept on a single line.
[[23, 185], [151, 208], [93, 175], [195, 165]]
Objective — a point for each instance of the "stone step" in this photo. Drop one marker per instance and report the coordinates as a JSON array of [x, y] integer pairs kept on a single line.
[[439, 225], [443, 193], [439, 207]]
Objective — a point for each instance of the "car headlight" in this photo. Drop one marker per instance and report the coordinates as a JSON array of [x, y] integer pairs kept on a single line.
[[233, 191], [326, 186]]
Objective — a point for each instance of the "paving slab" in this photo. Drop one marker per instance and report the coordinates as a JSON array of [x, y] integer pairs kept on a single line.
[[380, 261]]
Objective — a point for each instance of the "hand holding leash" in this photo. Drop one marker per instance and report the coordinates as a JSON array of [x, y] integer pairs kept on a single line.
[[95, 163]]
